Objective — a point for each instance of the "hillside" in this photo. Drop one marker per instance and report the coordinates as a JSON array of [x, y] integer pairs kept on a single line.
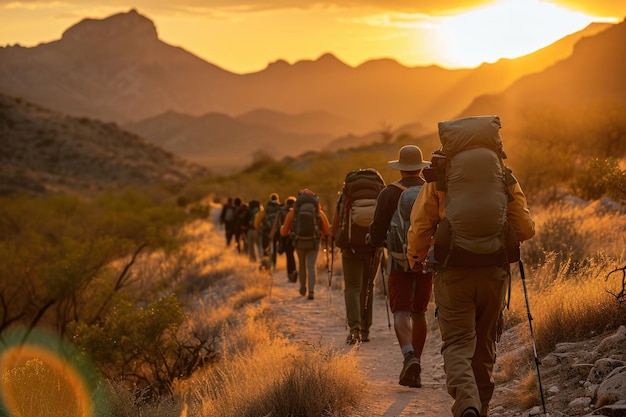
[[221, 142], [44, 151]]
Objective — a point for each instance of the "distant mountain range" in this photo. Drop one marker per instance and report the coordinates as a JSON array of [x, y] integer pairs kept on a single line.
[[117, 70]]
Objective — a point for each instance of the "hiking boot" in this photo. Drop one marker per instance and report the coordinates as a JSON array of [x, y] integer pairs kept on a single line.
[[310, 296], [411, 370], [302, 290], [470, 412], [354, 338], [293, 277], [365, 337]]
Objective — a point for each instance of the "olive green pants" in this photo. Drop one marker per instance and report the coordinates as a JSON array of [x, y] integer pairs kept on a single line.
[[359, 271], [470, 301]]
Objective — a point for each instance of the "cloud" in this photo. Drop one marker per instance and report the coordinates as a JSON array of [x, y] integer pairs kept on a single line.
[[615, 8]]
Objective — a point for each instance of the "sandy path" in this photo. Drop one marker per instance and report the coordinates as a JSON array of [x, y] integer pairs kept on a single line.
[[321, 321]]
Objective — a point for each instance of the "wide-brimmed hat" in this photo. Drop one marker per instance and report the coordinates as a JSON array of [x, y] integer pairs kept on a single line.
[[409, 159]]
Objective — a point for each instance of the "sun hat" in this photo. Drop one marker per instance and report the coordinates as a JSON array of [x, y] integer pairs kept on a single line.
[[409, 159]]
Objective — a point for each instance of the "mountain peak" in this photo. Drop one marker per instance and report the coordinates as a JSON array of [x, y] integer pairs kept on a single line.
[[119, 26], [330, 59]]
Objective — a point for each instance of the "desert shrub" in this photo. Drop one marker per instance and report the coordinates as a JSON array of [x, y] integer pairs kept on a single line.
[[557, 233], [60, 249], [575, 234], [599, 178], [146, 347]]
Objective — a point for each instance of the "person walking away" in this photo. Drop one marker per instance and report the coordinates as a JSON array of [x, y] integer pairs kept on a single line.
[[285, 244], [354, 213], [242, 219], [227, 220], [263, 223], [409, 291], [308, 225], [476, 214], [252, 237]]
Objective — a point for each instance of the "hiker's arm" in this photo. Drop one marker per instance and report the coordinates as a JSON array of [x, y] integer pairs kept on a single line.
[[325, 225], [285, 229], [385, 206], [426, 213], [519, 214], [336, 217]]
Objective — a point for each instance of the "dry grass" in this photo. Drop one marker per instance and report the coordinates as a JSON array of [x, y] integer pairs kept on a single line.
[[259, 372], [570, 298], [263, 374], [528, 395]]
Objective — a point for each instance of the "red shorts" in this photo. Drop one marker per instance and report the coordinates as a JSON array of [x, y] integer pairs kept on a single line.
[[410, 291]]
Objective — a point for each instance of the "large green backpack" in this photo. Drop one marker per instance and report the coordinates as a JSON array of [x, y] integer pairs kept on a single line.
[[356, 206], [475, 230]]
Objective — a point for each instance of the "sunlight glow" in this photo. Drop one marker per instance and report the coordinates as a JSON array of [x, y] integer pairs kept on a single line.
[[508, 28]]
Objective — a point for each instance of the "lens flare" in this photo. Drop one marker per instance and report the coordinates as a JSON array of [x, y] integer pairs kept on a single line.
[[43, 375]]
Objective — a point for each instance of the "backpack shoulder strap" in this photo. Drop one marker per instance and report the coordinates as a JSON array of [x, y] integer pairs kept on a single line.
[[398, 185]]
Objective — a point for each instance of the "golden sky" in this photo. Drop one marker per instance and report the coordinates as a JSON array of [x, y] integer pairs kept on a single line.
[[246, 35]]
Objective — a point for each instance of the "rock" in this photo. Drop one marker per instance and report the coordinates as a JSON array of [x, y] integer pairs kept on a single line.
[[553, 389], [602, 368], [614, 386], [580, 402], [613, 343]]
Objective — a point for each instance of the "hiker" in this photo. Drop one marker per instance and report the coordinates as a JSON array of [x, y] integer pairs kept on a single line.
[[263, 223], [354, 213], [242, 218], [252, 236], [307, 225], [227, 219], [285, 244], [468, 223], [409, 291]]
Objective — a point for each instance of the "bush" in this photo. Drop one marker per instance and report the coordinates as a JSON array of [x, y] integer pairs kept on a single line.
[[146, 347], [599, 178]]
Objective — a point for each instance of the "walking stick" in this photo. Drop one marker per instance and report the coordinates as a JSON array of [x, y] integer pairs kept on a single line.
[[383, 268], [370, 278], [329, 269], [532, 335]]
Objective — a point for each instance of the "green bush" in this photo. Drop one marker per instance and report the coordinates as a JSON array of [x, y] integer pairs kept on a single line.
[[148, 347], [600, 178]]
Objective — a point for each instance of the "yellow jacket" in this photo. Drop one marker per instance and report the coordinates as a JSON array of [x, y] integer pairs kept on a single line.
[[428, 210]]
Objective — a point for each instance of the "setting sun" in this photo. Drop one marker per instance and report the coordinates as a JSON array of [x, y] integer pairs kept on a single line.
[[507, 29]]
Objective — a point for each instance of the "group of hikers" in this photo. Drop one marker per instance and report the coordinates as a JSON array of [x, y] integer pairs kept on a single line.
[[452, 225]]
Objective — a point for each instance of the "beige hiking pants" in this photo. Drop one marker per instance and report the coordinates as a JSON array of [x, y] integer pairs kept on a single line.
[[470, 301]]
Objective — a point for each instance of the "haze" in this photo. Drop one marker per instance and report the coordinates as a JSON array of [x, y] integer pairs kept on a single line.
[[242, 36]]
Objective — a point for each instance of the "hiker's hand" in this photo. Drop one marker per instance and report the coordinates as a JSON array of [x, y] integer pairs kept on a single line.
[[417, 267], [368, 241]]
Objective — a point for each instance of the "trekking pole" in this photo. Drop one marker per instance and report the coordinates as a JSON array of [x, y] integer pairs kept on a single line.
[[532, 335], [329, 269], [383, 270], [370, 278]]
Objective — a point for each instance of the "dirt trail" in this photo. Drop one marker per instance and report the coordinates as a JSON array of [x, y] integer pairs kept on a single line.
[[321, 321]]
